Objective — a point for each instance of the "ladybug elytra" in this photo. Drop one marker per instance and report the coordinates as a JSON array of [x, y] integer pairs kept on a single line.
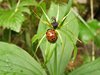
[[51, 35]]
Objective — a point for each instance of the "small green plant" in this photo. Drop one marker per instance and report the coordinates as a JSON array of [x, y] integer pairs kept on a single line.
[[12, 17], [55, 53], [57, 35]]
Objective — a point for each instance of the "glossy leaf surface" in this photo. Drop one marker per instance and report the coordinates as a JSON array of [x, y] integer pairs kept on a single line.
[[15, 61], [92, 68]]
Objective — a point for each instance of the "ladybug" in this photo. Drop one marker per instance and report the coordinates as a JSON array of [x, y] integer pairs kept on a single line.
[[51, 35]]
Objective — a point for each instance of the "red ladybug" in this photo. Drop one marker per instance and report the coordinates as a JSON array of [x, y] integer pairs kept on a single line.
[[51, 35]]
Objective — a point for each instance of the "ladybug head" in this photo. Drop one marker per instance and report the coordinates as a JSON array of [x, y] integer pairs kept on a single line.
[[54, 23]]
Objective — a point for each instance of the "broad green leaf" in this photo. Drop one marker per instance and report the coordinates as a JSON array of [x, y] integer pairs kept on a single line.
[[92, 68], [66, 40], [85, 35], [15, 61], [95, 25], [11, 19]]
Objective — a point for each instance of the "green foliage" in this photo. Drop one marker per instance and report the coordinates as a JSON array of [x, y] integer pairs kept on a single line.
[[68, 6], [95, 25], [58, 54], [97, 40], [0, 0], [28, 3], [15, 61], [92, 68], [13, 17], [86, 35]]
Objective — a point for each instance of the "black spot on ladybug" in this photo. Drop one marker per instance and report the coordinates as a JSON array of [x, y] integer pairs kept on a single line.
[[51, 35], [54, 23]]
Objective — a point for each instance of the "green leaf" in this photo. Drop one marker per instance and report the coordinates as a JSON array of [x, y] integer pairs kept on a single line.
[[37, 36], [15, 61], [97, 39], [92, 68], [69, 6], [11, 19], [65, 42], [50, 48], [1, 0], [94, 24], [28, 3], [25, 9], [85, 35], [84, 22]]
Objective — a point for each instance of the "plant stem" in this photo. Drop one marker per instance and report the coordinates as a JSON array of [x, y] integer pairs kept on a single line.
[[9, 36], [28, 41], [92, 17], [91, 7], [93, 51], [55, 62], [17, 5], [61, 52]]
